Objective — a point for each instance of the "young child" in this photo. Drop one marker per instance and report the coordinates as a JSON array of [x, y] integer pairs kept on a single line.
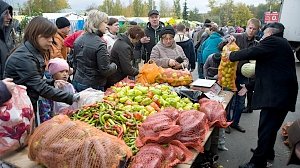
[[59, 70]]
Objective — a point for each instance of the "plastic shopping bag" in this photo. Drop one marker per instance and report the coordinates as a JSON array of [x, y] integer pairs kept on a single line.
[[148, 73], [16, 121]]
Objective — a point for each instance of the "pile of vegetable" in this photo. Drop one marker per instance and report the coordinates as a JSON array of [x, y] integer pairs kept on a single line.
[[126, 106]]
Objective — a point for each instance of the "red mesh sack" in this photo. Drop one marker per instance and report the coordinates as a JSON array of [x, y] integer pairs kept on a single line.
[[174, 77], [227, 69], [154, 155], [215, 112], [194, 125], [60, 143], [177, 153], [160, 128]]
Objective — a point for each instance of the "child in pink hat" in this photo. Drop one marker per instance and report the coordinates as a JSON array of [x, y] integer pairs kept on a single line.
[[60, 70]]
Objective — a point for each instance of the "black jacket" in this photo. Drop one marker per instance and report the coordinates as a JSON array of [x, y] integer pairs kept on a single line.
[[188, 48], [6, 41], [122, 55], [276, 83], [91, 61], [26, 66], [154, 39]]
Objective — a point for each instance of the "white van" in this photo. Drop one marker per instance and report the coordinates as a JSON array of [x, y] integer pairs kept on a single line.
[[289, 17]]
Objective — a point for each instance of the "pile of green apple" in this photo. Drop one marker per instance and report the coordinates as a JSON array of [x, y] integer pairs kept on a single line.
[[147, 99]]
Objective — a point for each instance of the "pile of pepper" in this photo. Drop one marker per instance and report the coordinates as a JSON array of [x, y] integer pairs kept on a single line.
[[109, 119]]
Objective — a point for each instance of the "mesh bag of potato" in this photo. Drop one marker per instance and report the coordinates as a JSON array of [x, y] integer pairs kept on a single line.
[[227, 69], [60, 142], [174, 77]]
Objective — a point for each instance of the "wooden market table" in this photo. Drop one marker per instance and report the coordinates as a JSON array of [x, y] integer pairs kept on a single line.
[[20, 159]]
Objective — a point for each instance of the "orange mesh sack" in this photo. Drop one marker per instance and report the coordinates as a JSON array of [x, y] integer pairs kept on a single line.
[[215, 112], [148, 73], [227, 69], [194, 126], [60, 143], [174, 77]]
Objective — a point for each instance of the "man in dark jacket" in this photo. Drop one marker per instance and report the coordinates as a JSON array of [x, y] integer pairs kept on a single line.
[[152, 31], [275, 90], [243, 40], [186, 44], [6, 41]]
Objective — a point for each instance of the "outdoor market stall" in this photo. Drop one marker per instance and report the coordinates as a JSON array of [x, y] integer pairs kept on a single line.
[[20, 159]]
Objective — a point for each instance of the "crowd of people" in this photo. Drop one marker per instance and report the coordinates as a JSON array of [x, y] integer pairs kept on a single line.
[[99, 56]]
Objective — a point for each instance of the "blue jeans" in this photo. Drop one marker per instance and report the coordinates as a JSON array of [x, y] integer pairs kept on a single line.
[[80, 87], [238, 103]]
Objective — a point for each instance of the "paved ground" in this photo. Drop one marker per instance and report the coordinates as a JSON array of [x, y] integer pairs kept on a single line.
[[239, 144]]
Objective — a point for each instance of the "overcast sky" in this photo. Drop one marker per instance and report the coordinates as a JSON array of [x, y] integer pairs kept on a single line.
[[200, 4]]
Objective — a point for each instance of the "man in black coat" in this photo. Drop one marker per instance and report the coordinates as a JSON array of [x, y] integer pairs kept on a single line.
[[152, 32], [275, 89]]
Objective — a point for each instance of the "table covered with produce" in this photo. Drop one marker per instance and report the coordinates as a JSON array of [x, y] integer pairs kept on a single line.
[[133, 125]]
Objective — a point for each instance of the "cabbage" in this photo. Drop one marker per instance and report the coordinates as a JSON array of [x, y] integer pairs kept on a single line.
[[248, 70]]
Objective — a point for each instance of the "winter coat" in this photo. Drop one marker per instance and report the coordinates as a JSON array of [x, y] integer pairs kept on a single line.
[[122, 55], [58, 49], [154, 39], [210, 68], [276, 83], [162, 54], [188, 48], [209, 46], [243, 42], [5, 94], [26, 67], [6, 40], [91, 61]]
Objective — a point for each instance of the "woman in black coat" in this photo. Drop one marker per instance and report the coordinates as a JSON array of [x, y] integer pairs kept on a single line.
[[91, 59], [275, 89], [122, 54], [26, 65]]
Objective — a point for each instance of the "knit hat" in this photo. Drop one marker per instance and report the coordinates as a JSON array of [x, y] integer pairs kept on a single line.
[[167, 30], [62, 22], [207, 23], [294, 138], [56, 65], [4, 6]]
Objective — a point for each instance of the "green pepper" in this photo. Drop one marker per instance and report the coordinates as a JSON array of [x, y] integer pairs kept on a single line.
[[146, 101], [103, 118]]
